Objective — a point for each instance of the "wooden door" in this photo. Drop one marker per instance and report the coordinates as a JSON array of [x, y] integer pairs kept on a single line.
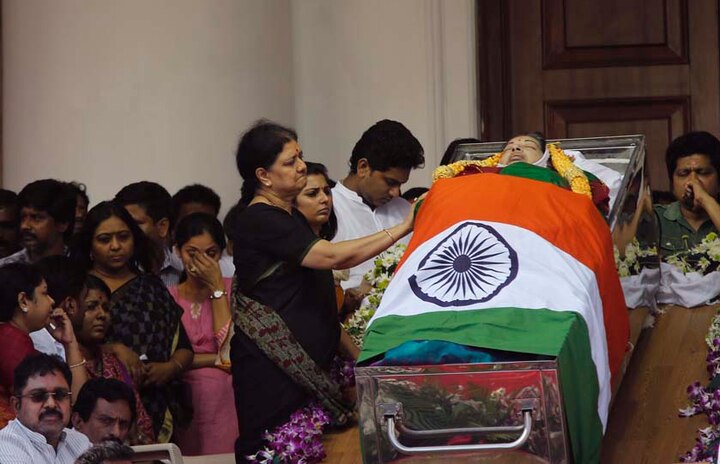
[[579, 68]]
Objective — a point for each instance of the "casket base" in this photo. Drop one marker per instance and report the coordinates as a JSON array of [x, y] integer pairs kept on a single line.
[[508, 412]]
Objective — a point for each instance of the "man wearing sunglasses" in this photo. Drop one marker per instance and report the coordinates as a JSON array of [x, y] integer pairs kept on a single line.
[[41, 398]]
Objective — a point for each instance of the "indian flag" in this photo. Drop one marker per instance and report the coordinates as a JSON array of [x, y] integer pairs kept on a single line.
[[514, 264]]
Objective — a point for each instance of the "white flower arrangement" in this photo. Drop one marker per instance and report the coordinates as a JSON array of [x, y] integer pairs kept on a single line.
[[703, 258], [632, 261], [379, 278]]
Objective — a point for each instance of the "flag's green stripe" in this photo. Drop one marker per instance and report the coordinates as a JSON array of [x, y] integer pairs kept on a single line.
[[563, 334]]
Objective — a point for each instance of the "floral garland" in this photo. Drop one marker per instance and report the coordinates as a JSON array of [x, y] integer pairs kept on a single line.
[[451, 170], [575, 176], [562, 163], [706, 400], [703, 258], [379, 278], [631, 263], [300, 439]]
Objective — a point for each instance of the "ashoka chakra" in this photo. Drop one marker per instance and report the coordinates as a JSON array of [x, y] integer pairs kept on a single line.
[[471, 265]]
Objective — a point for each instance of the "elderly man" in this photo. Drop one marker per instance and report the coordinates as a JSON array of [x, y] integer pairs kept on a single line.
[[42, 402], [104, 410]]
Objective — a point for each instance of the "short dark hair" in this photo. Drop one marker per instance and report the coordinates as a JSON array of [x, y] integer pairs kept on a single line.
[[259, 147], [96, 283], [108, 389], [106, 451], [81, 191], [196, 224], [8, 199], [692, 143], [16, 278], [63, 276], [452, 146], [38, 364], [229, 223], [329, 229], [195, 193], [386, 145], [56, 198], [141, 258], [150, 196]]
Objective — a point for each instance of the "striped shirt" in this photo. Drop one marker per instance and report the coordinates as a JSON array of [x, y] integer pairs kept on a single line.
[[20, 445], [22, 256], [171, 269]]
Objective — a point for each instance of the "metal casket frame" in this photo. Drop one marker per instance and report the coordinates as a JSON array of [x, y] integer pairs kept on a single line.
[[404, 410], [407, 398]]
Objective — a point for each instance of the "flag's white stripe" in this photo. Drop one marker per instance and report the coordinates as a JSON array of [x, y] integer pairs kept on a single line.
[[547, 278]]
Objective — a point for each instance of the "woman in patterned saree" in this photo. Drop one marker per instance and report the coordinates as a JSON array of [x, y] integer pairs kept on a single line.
[[91, 324], [145, 328]]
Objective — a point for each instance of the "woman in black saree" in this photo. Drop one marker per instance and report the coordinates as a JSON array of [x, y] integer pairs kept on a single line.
[[145, 328]]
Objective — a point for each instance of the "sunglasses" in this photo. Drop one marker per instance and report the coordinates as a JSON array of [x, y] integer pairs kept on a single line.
[[41, 396]]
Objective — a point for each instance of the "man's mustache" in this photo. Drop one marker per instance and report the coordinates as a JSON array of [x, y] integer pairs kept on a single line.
[[51, 412], [25, 235]]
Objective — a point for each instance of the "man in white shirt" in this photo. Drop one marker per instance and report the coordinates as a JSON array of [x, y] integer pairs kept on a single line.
[[368, 200], [42, 402]]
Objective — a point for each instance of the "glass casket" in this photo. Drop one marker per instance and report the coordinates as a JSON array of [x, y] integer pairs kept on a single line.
[[512, 410]]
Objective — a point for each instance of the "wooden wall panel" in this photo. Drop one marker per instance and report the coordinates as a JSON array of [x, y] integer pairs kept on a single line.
[[592, 68], [660, 119], [616, 38]]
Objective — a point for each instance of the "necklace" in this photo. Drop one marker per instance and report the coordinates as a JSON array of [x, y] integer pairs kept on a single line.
[[195, 306], [195, 310]]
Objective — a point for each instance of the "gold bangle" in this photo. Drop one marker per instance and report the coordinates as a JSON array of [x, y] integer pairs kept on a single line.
[[389, 235], [81, 363]]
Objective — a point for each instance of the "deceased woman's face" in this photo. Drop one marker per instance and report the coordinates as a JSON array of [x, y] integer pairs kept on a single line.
[[522, 148]]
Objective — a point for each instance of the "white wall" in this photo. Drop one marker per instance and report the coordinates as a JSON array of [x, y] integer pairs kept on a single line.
[[111, 92], [360, 61]]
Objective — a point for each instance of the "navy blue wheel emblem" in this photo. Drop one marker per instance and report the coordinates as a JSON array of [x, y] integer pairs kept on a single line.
[[471, 265]]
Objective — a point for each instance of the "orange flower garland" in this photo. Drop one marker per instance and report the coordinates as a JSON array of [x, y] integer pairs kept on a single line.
[[566, 168], [452, 170]]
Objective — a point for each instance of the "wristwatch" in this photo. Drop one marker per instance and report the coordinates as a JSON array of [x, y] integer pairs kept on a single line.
[[217, 294]]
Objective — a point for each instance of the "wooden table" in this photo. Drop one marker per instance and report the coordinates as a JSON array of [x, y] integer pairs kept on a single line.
[[644, 426], [343, 447]]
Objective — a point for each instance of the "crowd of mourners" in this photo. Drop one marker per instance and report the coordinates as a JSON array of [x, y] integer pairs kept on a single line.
[[144, 319], [121, 324]]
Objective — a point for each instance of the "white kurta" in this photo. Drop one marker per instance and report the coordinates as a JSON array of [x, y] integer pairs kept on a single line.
[[356, 219]]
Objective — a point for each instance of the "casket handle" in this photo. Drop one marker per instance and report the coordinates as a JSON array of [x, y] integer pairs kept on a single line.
[[392, 414]]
